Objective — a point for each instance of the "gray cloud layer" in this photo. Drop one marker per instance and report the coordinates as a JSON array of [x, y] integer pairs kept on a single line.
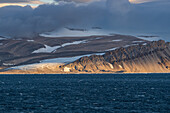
[[114, 15]]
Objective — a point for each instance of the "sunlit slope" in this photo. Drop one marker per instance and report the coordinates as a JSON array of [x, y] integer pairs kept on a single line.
[[153, 58]]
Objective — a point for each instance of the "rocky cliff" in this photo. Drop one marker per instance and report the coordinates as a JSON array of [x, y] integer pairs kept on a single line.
[[153, 57]]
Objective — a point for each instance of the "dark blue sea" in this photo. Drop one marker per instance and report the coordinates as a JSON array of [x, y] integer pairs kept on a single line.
[[105, 93]]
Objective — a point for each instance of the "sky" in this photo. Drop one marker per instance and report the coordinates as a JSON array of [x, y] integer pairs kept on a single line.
[[27, 18], [32, 3], [36, 3]]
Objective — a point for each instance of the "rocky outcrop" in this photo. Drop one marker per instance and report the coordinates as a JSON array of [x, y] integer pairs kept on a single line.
[[154, 57]]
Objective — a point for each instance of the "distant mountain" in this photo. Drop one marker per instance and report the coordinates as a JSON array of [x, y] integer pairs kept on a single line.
[[22, 51]]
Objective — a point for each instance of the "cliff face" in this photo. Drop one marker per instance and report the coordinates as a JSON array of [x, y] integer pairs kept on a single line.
[[152, 57]]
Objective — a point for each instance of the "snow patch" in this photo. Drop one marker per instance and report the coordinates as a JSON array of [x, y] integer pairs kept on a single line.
[[74, 43], [148, 38], [8, 64], [98, 38], [112, 49], [130, 45], [137, 41], [2, 38], [30, 40], [123, 46], [75, 33], [116, 40], [144, 44], [67, 59], [47, 49], [35, 66]]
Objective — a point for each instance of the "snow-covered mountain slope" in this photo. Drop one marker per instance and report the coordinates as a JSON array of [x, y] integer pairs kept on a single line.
[[21, 51], [70, 32]]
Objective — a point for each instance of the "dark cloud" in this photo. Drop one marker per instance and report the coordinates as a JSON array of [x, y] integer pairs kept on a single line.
[[25, 21], [116, 15]]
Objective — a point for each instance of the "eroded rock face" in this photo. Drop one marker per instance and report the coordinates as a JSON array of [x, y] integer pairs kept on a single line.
[[152, 57]]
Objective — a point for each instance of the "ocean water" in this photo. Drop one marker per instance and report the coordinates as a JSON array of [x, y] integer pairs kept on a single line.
[[104, 93]]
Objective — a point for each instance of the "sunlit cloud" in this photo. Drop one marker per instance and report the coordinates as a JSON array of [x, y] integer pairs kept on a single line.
[[32, 3], [78, 1], [8, 4], [140, 1]]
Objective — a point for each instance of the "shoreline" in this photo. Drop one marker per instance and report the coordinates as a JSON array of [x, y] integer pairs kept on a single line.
[[82, 73]]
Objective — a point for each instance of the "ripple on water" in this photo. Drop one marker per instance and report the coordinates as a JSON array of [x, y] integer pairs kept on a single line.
[[85, 93]]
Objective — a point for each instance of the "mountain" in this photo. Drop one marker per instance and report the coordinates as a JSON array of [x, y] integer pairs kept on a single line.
[[150, 57], [23, 51], [75, 50], [153, 57]]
